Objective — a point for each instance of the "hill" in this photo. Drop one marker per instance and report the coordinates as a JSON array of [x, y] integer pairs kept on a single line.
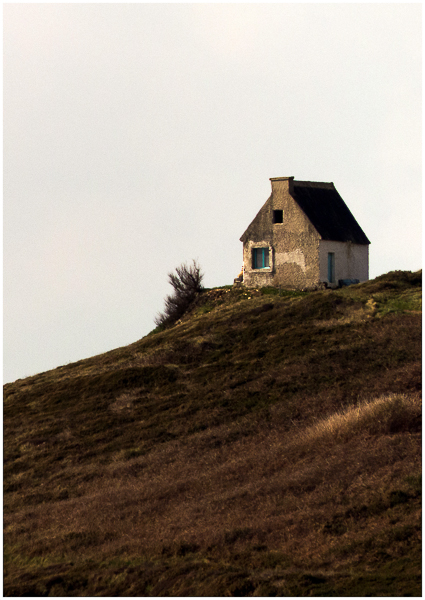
[[267, 444]]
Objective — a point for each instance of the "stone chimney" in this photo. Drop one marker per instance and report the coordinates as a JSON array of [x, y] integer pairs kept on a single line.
[[282, 184]]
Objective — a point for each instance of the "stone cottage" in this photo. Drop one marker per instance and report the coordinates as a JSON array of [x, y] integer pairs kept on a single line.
[[304, 237]]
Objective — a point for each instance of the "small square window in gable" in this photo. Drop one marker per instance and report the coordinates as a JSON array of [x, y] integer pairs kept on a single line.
[[278, 216]]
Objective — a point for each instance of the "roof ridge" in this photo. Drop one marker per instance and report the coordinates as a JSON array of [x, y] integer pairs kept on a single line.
[[315, 184]]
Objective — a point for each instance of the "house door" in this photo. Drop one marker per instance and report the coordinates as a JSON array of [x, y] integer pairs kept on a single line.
[[331, 267]]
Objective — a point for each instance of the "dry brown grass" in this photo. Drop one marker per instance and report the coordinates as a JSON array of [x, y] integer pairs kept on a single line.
[[183, 465], [263, 492], [179, 492], [384, 415]]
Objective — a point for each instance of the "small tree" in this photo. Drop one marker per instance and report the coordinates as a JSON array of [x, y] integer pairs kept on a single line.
[[187, 283]]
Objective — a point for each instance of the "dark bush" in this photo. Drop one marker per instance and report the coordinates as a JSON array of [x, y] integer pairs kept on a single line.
[[187, 284]]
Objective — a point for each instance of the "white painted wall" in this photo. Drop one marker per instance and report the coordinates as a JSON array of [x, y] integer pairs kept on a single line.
[[351, 260]]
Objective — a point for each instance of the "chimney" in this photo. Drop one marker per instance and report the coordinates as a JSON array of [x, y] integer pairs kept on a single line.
[[282, 184]]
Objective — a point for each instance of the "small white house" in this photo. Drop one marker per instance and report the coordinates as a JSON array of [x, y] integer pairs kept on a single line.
[[304, 237]]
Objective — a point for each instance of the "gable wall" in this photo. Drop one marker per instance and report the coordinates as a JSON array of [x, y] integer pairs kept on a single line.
[[295, 241], [293, 244]]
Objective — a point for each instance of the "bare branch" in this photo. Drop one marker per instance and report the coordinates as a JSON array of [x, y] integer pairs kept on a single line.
[[186, 282]]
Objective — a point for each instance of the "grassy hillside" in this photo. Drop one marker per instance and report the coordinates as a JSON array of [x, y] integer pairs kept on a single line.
[[267, 444]]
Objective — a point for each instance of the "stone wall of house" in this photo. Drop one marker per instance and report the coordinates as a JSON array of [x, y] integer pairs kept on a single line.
[[351, 260], [293, 245], [258, 277], [295, 241]]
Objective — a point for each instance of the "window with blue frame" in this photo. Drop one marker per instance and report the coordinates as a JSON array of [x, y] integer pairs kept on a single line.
[[260, 258]]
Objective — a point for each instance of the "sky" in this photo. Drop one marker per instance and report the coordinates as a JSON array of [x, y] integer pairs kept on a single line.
[[137, 137]]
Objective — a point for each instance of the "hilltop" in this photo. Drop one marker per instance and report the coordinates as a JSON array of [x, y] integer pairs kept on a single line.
[[267, 444]]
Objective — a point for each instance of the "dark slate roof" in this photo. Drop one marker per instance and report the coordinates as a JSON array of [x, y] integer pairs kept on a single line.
[[329, 214]]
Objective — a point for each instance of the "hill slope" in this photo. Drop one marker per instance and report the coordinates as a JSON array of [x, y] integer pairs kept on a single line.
[[268, 444]]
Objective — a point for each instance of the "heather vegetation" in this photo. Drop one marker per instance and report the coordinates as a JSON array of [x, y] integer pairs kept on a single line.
[[267, 444]]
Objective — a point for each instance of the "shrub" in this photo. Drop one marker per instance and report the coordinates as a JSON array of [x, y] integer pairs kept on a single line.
[[187, 284]]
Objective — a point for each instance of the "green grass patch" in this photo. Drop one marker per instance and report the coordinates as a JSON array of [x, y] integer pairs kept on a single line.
[[281, 292]]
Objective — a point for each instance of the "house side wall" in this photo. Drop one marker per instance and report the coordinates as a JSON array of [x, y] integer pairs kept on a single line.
[[293, 244], [351, 260]]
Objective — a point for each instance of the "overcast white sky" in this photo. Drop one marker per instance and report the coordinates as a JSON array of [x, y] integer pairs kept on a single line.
[[139, 136]]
